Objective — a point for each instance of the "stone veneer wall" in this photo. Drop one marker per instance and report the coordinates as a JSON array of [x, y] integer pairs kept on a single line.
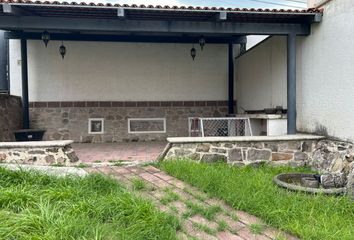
[[333, 159], [69, 120], [10, 116], [39, 153]]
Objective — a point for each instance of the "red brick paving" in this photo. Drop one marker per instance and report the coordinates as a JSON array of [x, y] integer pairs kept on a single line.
[[127, 151], [193, 225]]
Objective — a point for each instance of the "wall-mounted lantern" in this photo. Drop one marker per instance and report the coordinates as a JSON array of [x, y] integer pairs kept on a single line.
[[202, 42], [62, 50], [45, 37], [193, 52]]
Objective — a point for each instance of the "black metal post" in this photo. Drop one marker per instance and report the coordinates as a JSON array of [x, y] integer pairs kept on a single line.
[[291, 83], [4, 84], [231, 109], [24, 69]]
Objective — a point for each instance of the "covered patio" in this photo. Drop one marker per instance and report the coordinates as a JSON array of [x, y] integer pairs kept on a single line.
[[148, 24]]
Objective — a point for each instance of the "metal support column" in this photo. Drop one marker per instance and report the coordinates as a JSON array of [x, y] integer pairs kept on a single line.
[[24, 69], [291, 83], [231, 109], [4, 84]]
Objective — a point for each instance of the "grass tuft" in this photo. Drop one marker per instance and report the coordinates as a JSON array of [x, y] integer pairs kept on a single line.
[[256, 228], [204, 228], [195, 195], [251, 189], [222, 226], [82, 165], [138, 184], [233, 216], [169, 196], [207, 212]]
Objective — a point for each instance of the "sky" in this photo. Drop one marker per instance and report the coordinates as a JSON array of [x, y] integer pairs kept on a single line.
[[216, 3]]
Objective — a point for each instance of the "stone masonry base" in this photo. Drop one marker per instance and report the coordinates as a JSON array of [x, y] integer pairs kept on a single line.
[[10, 116], [333, 159], [38, 153], [69, 120]]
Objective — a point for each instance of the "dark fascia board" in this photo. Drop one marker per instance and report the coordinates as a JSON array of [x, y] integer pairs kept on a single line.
[[125, 38], [30, 23]]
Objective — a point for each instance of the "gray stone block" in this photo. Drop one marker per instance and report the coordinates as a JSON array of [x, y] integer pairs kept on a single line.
[[306, 146], [258, 154], [218, 150], [300, 156], [72, 157], [235, 155], [182, 152], [194, 156], [212, 158], [333, 180], [290, 145], [273, 146], [204, 147], [228, 145]]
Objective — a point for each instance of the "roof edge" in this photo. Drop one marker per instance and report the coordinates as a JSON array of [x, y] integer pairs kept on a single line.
[[159, 7]]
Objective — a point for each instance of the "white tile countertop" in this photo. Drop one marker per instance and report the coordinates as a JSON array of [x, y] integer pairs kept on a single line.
[[263, 116], [31, 144], [244, 138]]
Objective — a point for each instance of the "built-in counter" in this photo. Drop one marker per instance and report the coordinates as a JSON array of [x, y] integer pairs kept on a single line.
[[267, 124]]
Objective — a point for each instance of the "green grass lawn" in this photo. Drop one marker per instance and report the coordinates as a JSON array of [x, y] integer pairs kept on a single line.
[[36, 207], [251, 189]]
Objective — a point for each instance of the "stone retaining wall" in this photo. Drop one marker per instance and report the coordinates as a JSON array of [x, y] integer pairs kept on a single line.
[[10, 116], [38, 153], [69, 120], [333, 159]]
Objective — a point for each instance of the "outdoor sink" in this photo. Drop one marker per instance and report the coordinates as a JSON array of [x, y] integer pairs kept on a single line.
[[303, 182]]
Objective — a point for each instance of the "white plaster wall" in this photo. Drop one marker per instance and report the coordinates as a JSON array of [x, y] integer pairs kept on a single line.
[[253, 40], [325, 74], [15, 67], [260, 82], [121, 72]]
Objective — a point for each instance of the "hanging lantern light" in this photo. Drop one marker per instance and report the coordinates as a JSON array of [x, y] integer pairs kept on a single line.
[[62, 50], [45, 37], [193, 52], [202, 42]]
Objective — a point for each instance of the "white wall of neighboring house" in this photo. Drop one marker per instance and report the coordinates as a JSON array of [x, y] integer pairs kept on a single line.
[[253, 40], [325, 74], [97, 71], [260, 82]]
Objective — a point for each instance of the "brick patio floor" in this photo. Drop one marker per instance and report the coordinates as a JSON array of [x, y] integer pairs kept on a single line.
[[201, 217], [127, 151]]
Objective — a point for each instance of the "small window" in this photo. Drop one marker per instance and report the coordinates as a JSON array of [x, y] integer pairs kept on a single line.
[[96, 126], [147, 125]]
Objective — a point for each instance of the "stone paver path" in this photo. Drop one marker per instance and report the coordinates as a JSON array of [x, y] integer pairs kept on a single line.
[[201, 217]]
